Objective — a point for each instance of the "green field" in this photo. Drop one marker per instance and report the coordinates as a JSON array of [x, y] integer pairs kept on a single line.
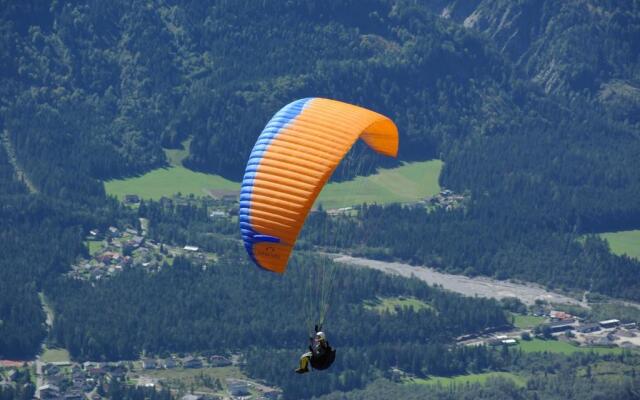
[[165, 182], [94, 246], [176, 156], [170, 180], [410, 182], [526, 321], [463, 379], [624, 242], [200, 379], [555, 346], [389, 304], [407, 183], [55, 355]]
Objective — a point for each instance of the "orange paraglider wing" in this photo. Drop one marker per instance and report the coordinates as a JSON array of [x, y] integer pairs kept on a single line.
[[292, 160]]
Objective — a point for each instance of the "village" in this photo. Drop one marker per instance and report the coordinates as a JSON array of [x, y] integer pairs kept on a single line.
[[564, 327], [216, 377], [446, 199], [114, 249], [110, 251]]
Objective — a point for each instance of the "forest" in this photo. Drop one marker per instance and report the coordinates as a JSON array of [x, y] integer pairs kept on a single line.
[[532, 105]]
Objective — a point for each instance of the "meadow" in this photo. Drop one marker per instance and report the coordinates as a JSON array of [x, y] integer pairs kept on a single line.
[[526, 321], [389, 304], [466, 379], [624, 242], [408, 183], [51, 355], [556, 346]]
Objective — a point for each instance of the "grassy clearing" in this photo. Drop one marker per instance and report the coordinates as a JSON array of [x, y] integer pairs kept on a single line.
[[176, 156], [608, 370], [94, 246], [464, 379], [555, 346], [624, 242], [167, 182], [410, 182], [527, 321], [55, 355], [170, 180], [201, 379], [389, 304], [616, 310], [46, 308]]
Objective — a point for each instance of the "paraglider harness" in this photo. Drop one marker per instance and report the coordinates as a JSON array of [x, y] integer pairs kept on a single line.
[[322, 357]]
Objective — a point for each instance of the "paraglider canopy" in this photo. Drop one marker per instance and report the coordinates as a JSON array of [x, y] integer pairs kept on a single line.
[[290, 163]]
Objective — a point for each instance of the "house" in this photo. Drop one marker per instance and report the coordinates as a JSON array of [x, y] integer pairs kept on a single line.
[[49, 392], [561, 326], [117, 373], [12, 375], [191, 397], [560, 315], [168, 363], [609, 323], [73, 395], [149, 363], [88, 364], [272, 394], [219, 361], [135, 242], [588, 328], [147, 381], [192, 362], [107, 257], [114, 231], [131, 198], [217, 214], [237, 388], [97, 372], [50, 369]]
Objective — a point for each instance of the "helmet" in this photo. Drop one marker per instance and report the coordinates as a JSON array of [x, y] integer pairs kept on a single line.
[[320, 335]]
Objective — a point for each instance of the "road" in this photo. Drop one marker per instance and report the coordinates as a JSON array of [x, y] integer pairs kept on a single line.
[[528, 293]]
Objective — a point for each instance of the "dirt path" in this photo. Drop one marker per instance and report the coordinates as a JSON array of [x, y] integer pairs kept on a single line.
[[11, 154], [528, 293]]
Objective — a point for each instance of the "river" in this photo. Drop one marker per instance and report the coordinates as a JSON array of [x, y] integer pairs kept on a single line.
[[528, 293]]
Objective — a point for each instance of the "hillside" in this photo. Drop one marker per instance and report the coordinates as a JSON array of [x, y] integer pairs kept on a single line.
[[531, 108]]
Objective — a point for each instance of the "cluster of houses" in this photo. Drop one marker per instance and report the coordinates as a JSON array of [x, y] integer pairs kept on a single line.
[[560, 324], [9, 374], [73, 381], [187, 362], [121, 248], [91, 380], [446, 199], [235, 388], [221, 203], [610, 332]]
